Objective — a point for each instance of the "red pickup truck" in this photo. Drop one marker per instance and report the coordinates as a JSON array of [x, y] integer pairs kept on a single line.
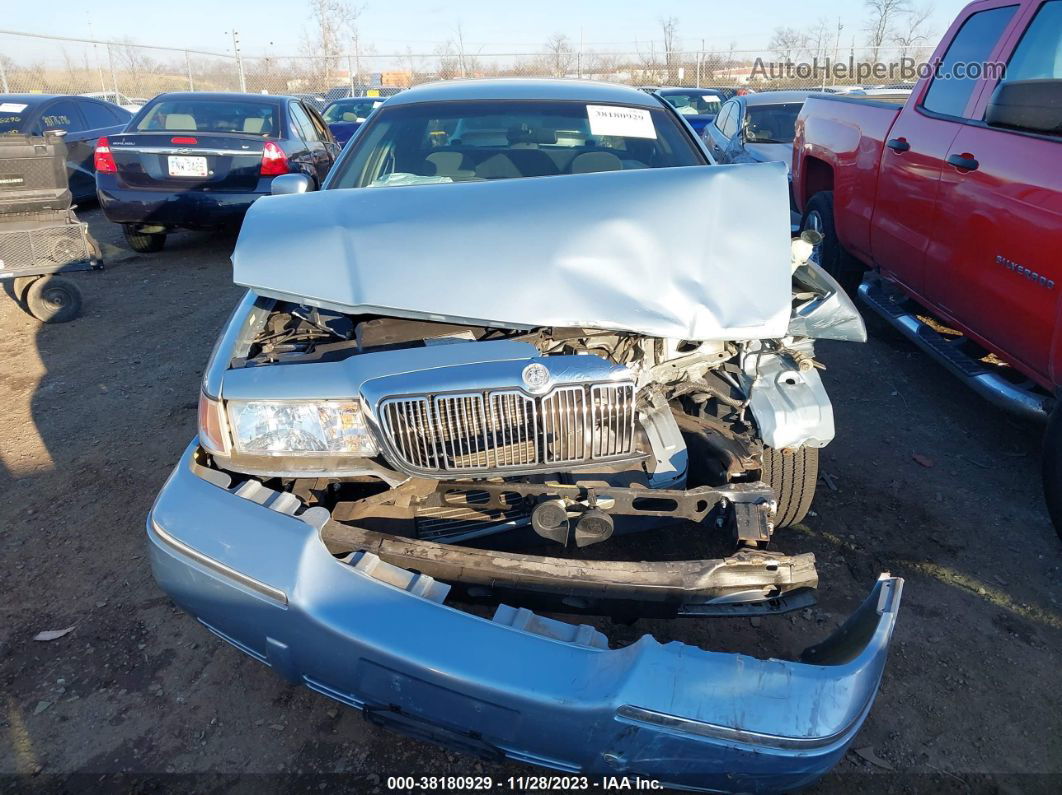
[[945, 212]]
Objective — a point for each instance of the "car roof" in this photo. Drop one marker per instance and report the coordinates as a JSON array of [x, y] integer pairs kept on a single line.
[[777, 97], [688, 90], [525, 89], [234, 96], [36, 99]]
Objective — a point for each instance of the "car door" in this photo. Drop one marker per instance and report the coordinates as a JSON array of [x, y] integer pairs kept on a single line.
[[714, 133], [325, 135], [64, 114], [994, 264], [316, 158], [903, 226]]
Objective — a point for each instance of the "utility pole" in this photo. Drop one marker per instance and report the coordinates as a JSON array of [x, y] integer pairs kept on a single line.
[[3, 77], [114, 79], [239, 60], [700, 61], [357, 61], [188, 66], [95, 57], [836, 50], [579, 56]]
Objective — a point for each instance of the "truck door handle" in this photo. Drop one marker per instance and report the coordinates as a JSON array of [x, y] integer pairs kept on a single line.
[[898, 145], [965, 162]]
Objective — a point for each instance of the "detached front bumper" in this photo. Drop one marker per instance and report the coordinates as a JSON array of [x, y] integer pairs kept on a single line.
[[520, 686]]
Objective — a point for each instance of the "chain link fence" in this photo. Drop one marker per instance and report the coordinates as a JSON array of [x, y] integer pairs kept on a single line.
[[127, 72]]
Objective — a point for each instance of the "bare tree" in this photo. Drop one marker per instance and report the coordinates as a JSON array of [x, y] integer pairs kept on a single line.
[[333, 24], [669, 27], [883, 15], [915, 31], [787, 43], [559, 54]]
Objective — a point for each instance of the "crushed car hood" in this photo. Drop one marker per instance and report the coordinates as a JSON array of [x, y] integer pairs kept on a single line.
[[695, 253]]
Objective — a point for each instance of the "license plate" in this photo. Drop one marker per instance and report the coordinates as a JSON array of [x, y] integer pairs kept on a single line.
[[184, 166]]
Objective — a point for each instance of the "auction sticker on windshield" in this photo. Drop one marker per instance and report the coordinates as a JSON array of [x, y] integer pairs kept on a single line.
[[622, 122], [11, 107]]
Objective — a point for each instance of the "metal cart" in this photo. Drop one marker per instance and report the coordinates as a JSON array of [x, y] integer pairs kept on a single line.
[[40, 236]]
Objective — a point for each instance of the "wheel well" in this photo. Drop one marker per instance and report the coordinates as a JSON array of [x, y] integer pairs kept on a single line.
[[818, 176]]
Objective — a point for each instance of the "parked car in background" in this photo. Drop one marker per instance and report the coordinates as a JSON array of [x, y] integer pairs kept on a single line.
[[406, 389], [198, 160], [944, 208], [344, 116], [698, 106], [131, 104], [755, 128], [82, 120]]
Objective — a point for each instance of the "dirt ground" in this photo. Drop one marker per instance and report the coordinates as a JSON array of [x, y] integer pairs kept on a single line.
[[924, 480]]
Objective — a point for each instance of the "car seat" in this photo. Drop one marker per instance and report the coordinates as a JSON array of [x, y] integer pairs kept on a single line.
[[180, 121]]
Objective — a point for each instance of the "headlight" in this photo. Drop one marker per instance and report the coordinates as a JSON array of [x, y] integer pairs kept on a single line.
[[299, 427]]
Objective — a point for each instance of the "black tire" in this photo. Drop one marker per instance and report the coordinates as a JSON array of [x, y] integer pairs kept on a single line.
[[793, 477], [53, 299], [1052, 469], [142, 241], [842, 266], [19, 285]]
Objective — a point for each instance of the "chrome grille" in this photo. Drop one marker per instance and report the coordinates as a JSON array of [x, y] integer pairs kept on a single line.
[[507, 430]]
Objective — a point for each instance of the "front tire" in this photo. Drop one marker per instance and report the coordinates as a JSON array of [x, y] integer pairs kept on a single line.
[[143, 242], [842, 266], [1052, 469], [793, 476], [53, 299]]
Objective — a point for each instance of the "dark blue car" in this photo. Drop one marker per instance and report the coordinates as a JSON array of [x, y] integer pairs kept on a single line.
[[83, 120], [697, 105], [344, 116], [198, 160]]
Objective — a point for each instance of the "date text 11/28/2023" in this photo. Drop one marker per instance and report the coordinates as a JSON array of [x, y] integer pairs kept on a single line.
[[521, 783]]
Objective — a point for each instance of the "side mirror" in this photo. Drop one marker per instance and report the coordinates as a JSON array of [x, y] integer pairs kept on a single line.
[[1033, 105], [289, 183]]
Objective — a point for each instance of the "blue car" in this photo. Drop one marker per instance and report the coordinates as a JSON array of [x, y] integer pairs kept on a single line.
[[83, 120], [195, 160], [433, 399], [345, 116], [697, 105]]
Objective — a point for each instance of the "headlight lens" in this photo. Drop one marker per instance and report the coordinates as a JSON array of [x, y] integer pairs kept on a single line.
[[300, 427]]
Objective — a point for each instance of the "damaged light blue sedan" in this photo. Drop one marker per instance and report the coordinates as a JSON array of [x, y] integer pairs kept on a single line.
[[442, 395]]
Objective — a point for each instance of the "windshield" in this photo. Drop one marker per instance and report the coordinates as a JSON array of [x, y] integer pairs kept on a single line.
[[217, 116], [351, 110], [695, 103], [771, 124], [467, 141]]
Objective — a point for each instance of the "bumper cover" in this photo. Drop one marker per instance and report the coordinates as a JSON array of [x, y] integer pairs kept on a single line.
[[523, 689], [184, 209]]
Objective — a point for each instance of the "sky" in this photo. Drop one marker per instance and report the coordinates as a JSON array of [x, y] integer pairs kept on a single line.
[[274, 27]]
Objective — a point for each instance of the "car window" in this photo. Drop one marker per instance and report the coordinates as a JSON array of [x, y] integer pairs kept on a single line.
[[319, 126], [303, 123], [472, 141], [99, 115], [724, 112], [1038, 55], [733, 118], [694, 103], [210, 116], [951, 88], [62, 115], [351, 110], [772, 124]]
